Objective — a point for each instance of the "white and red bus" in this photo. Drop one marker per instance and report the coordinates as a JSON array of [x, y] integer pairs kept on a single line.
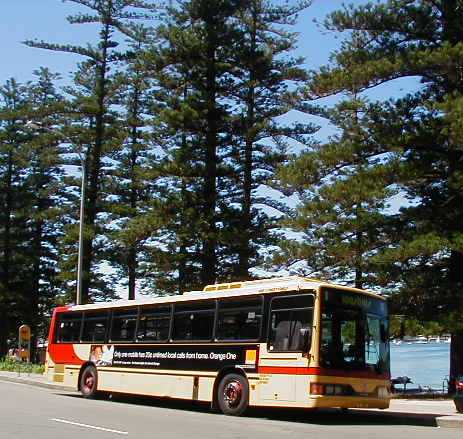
[[286, 342]]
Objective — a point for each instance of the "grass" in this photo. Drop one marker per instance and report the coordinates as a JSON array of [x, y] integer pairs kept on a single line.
[[10, 365]]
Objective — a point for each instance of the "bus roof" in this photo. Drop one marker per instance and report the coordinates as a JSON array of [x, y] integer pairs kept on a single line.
[[231, 289]]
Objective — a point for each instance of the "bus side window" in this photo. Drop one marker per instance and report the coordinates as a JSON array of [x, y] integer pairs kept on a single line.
[[68, 327], [291, 323], [239, 319], [154, 324], [123, 325], [95, 325], [194, 321]]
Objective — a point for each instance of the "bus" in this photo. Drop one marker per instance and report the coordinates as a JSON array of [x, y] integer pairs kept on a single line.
[[282, 342]]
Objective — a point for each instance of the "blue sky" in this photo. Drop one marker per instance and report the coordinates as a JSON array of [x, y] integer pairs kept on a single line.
[[46, 19]]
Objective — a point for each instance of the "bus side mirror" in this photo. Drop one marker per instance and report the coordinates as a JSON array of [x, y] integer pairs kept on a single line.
[[305, 335]]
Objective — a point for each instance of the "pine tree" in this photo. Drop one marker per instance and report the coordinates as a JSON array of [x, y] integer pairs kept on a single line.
[[193, 69], [13, 162], [95, 87], [225, 73], [30, 193], [129, 184], [403, 39], [344, 187], [268, 84], [44, 185]]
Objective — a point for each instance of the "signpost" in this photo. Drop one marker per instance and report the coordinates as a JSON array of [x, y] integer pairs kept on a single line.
[[24, 343]]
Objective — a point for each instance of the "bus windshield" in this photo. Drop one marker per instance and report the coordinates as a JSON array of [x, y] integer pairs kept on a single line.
[[354, 332]]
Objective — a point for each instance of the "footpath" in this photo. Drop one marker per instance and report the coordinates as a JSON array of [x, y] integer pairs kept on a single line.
[[432, 412]]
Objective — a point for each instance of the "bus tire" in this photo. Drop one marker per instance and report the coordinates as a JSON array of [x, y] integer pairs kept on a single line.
[[233, 394], [89, 382]]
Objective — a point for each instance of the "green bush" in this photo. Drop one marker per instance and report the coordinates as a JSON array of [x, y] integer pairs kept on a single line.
[[11, 365]]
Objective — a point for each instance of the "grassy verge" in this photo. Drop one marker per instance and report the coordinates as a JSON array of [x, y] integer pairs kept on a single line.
[[9, 365]]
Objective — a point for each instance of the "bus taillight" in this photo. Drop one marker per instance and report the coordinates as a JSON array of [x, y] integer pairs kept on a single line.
[[317, 389]]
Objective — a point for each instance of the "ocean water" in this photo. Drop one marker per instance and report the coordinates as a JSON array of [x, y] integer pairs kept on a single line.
[[426, 364]]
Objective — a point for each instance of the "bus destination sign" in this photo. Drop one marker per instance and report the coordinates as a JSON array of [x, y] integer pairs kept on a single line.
[[347, 299]]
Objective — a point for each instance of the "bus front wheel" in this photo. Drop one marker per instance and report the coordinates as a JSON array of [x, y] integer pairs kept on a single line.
[[89, 382], [233, 394]]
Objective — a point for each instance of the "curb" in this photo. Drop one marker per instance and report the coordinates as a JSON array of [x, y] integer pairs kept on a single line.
[[453, 421], [32, 382]]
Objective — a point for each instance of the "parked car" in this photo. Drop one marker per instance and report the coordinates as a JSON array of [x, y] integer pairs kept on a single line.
[[458, 399]]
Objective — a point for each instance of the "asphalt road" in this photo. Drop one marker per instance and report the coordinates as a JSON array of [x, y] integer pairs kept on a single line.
[[28, 412]]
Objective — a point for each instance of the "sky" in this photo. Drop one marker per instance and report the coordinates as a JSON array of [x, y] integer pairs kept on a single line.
[[46, 20]]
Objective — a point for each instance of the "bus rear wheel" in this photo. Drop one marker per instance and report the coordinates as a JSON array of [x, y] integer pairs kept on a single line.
[[89, 382], [233, 394]]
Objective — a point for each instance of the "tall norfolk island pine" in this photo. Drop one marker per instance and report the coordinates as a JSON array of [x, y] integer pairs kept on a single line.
[[225, 72], [343, 189], [95, 76], [265, 70], [423, 39], [30, 191], [13, 162], [130, 181]]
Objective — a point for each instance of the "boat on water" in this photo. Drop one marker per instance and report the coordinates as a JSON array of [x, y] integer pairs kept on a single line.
[[421, 339]]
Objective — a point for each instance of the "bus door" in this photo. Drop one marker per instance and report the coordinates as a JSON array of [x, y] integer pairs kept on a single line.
[[289, 335]]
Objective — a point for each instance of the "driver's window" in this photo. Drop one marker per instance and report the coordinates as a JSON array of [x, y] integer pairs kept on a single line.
[[291, 323]]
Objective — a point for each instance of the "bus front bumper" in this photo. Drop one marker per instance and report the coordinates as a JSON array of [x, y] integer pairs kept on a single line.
[[360, 402]]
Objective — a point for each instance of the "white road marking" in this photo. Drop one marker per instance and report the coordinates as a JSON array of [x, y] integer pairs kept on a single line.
[[64, 421]]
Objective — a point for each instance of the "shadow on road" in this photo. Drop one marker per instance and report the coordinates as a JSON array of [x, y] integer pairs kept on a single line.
[[305, 416]]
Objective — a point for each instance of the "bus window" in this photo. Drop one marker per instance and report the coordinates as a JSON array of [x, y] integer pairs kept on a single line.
[[154, 324], [123, 325], [95, 327], [68, 327], [291, 323], [194, 321], [239, 319]]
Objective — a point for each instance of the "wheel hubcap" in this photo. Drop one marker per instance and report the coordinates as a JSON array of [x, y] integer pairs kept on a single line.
[[232, 393], [89, 382]]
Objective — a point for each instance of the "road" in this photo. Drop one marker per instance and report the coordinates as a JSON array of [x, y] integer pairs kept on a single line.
[[28, 412]]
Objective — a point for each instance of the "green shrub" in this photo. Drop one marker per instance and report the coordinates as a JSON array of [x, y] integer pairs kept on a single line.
[[11, 365]]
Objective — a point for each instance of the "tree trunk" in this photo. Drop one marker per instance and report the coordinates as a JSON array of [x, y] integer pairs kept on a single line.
[[456, 346], [33, 309], [456, 360], [245, 251], [5, 280], [92, 191], [132, 261], [452, 32]]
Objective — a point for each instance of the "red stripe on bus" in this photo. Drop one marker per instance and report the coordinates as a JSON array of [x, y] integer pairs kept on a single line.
[[320, 371]]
